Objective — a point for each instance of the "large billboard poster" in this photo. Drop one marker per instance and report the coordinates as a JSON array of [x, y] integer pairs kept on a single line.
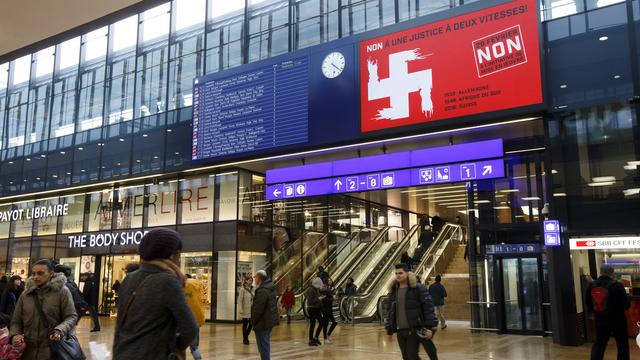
[[478, 62]]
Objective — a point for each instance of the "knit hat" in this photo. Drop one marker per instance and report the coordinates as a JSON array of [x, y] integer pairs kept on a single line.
[[159, 243]]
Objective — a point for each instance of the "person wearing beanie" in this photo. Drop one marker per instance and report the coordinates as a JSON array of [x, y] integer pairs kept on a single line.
[[154, 320], [313, 299]]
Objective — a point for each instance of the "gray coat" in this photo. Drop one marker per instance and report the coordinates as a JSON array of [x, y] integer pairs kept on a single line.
[[57, 305], [157, 314]]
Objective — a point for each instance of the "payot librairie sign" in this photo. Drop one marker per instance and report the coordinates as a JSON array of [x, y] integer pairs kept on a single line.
[[34, 212], [116, 238], [483, 61]]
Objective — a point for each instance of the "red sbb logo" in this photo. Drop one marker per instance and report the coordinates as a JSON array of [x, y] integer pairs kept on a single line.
[[587, 243], [499, 51]]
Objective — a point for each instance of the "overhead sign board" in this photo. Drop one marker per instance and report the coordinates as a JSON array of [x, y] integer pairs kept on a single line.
[[439, 174], [551, 233], [378, 163], [483, 61], [512, 248]]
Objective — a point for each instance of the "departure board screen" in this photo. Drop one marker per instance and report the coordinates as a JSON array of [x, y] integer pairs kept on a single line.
[[258, 109]]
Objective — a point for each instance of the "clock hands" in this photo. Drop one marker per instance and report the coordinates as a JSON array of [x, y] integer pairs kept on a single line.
[[334, 65]]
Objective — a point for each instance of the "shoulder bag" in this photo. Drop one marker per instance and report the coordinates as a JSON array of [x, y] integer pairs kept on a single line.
[[68, 348]]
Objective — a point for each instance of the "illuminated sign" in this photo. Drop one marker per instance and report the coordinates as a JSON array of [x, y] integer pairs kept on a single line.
[[605, 243], [551, 233], [440, 165], [479, 62], [117, 238], [34, 213]]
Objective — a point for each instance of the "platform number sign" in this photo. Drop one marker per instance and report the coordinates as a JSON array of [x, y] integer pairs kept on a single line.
[[352, 183]]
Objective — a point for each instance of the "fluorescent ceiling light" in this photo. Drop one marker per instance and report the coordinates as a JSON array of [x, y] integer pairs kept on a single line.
[[483, 201], [608, 183], [631, 192], [501, 207], [604, 179], [530, 198], [509, 190], [559, 194]]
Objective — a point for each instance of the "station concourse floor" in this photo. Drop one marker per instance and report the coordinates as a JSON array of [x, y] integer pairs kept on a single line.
[[366, 342]]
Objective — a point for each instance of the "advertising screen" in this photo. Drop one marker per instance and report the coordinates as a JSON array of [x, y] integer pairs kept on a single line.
[[483, 61]]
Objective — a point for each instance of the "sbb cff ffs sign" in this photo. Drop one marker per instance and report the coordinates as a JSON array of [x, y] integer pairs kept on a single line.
[[479, 62]]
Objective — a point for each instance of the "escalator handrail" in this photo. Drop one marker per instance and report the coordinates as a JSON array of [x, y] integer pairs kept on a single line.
[[291, 244], [442, 236], [404, 244], [406, 241], [339, 282], [453, 229], [293, 266], [333, 257]]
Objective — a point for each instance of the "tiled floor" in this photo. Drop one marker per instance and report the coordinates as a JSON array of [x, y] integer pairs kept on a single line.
[[369, 342]]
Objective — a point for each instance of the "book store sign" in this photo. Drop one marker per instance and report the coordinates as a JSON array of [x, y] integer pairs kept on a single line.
[[118, 238], [34, 213]]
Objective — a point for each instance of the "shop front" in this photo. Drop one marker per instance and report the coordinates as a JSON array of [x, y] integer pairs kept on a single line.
[[98, 232], [589, 254]]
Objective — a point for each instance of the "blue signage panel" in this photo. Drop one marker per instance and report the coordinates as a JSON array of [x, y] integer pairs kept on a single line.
[[512, 248], [439, 155], [259, 109], [440, 174], [551, 233]]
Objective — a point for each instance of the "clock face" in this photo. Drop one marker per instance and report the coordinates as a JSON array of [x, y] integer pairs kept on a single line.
[[333, 64]]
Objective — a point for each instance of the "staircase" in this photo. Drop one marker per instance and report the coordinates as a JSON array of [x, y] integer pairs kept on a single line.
[[456, 281]]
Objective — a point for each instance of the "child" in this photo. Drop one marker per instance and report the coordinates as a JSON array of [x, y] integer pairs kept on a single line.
[[8, 351], [288, 301]]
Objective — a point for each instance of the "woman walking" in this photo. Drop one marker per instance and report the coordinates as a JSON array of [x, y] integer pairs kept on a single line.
[[245, 300], [327, 309], [314, 309], [10, 295], [47, 290]]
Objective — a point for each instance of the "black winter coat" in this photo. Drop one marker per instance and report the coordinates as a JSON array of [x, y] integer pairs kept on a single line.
[[264, 310], [419, 307]]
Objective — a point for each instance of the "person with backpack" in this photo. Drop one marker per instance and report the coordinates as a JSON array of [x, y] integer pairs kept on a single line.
[[78, 301], [313, 298], [411, 315], [438, 293], [607, 300]]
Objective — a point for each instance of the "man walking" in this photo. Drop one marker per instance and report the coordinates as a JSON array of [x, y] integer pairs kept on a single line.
[[89, 294], [264, 313], [438, 293], [411, 315], [607, 300]]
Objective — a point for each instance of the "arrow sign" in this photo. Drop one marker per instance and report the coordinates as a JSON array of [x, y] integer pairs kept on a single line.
[[337, 184], [276, 193], [487, 169]]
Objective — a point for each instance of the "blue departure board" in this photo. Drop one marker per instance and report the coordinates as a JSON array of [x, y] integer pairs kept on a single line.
[[263, 108]]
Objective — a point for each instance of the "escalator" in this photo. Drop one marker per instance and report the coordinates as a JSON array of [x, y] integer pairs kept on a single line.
[[287, 269], [375, 276], [367, 305]]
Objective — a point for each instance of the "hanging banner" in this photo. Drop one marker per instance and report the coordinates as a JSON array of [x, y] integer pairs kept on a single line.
[[479, 62]]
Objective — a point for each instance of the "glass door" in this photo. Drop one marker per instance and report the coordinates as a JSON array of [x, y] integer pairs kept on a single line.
[[522, 303]]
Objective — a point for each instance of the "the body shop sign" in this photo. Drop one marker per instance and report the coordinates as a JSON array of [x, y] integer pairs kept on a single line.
[[479, 62], [105, 239]]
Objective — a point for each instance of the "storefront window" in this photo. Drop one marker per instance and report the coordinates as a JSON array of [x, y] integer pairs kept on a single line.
[[196, 199], [72, 222], [100, 210], [43, 248], [226, 202], [130, 207], [4, 247], [162, 204], [19, 255], [5, 223], [47, 225], [23, 226], [253, 205]]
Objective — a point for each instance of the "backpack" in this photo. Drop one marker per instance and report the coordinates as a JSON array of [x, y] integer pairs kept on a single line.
[[600, 297]]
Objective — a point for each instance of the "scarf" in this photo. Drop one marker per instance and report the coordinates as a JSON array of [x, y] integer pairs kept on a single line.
[[170, 267]]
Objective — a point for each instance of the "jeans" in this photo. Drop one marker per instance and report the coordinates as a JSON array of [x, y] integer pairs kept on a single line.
[[440, 315], [327, 314], [409, 343], [195, 351], [94, 316], [288, 315], [603, 333], [263, 338], [430, 348], [315, 315], [246, 329]]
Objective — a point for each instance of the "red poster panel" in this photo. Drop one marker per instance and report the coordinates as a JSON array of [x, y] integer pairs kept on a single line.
[[479, 62]]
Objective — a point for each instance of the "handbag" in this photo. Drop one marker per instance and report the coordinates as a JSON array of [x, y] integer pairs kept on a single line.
[[68, 348]]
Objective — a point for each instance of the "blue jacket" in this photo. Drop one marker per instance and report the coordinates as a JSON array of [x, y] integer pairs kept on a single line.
[[438, 293], [8, 302]]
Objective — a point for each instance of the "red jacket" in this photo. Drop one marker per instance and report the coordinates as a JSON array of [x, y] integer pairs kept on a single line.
[[288, 299]]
